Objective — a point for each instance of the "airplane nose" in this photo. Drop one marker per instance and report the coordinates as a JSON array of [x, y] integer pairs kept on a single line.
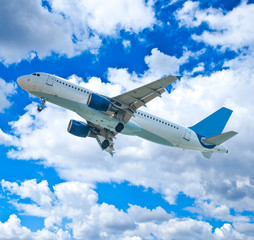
[[25, 82], [21, 81]]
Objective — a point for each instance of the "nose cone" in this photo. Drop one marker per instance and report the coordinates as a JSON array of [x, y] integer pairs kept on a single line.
[[21, 81]]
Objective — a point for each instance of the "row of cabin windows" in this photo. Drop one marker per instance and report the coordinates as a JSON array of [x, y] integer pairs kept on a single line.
[[68, 85], [156, 119]]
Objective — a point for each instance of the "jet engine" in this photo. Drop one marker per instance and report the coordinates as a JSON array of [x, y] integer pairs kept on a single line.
[[78, 129], [100, 103], [103, 104]]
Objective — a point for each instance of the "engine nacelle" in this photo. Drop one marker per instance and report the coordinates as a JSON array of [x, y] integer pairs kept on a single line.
[[98, 102], [78, 128]]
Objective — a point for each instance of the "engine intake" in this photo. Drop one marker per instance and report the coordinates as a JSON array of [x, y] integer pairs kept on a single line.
[[98, 102], [78, 128]]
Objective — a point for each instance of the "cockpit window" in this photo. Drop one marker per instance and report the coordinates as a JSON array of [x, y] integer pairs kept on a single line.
[[36, 74]]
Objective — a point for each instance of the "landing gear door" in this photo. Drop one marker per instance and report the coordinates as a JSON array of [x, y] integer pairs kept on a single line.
[[187, 135], [50, 80]]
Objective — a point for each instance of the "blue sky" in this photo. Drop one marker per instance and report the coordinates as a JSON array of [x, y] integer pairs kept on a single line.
[[56, 186]]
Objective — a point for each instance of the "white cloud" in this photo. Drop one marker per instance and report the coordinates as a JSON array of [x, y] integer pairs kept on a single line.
[[75, 201], [245, 228], [28, 29], [122, 78], [108, 17], [39, 193], [145, 215], [232, 29], [211, 210], [89, 220], [187, 14], [227, 232], [35, 30], [13, 230], [6, 90], [6, 139], [197, 69], [131, 238], [162, 64], [126, 45]]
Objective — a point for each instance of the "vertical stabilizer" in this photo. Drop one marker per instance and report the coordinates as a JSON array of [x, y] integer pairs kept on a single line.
[[213, 124]]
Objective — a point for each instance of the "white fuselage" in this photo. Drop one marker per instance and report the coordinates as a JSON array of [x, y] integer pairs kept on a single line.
[[73, 97]]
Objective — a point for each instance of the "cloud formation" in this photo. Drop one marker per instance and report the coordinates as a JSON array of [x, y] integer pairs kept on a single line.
[[87, 219], [13, 230], [101, 17], [7, 90], [69, 29], [226, 29]]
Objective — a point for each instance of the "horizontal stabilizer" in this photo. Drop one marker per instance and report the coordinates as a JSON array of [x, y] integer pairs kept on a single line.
[[219, 139], [207, 154]]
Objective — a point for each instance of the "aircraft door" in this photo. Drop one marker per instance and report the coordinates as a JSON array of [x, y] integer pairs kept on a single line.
[[50, 80], [187, 135]]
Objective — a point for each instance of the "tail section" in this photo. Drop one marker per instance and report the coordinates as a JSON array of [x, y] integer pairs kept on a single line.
[[209, 131], [214, 124]]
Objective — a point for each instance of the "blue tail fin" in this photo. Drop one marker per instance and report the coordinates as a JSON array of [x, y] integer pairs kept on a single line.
[[213, 124]]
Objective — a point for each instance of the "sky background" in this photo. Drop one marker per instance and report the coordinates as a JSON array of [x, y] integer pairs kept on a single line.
[[57, 186]]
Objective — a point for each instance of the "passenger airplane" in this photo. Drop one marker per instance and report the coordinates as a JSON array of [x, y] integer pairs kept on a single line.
[[106, 117]]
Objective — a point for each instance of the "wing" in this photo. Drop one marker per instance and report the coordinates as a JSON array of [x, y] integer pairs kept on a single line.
[[103, 136], [138, 97]]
